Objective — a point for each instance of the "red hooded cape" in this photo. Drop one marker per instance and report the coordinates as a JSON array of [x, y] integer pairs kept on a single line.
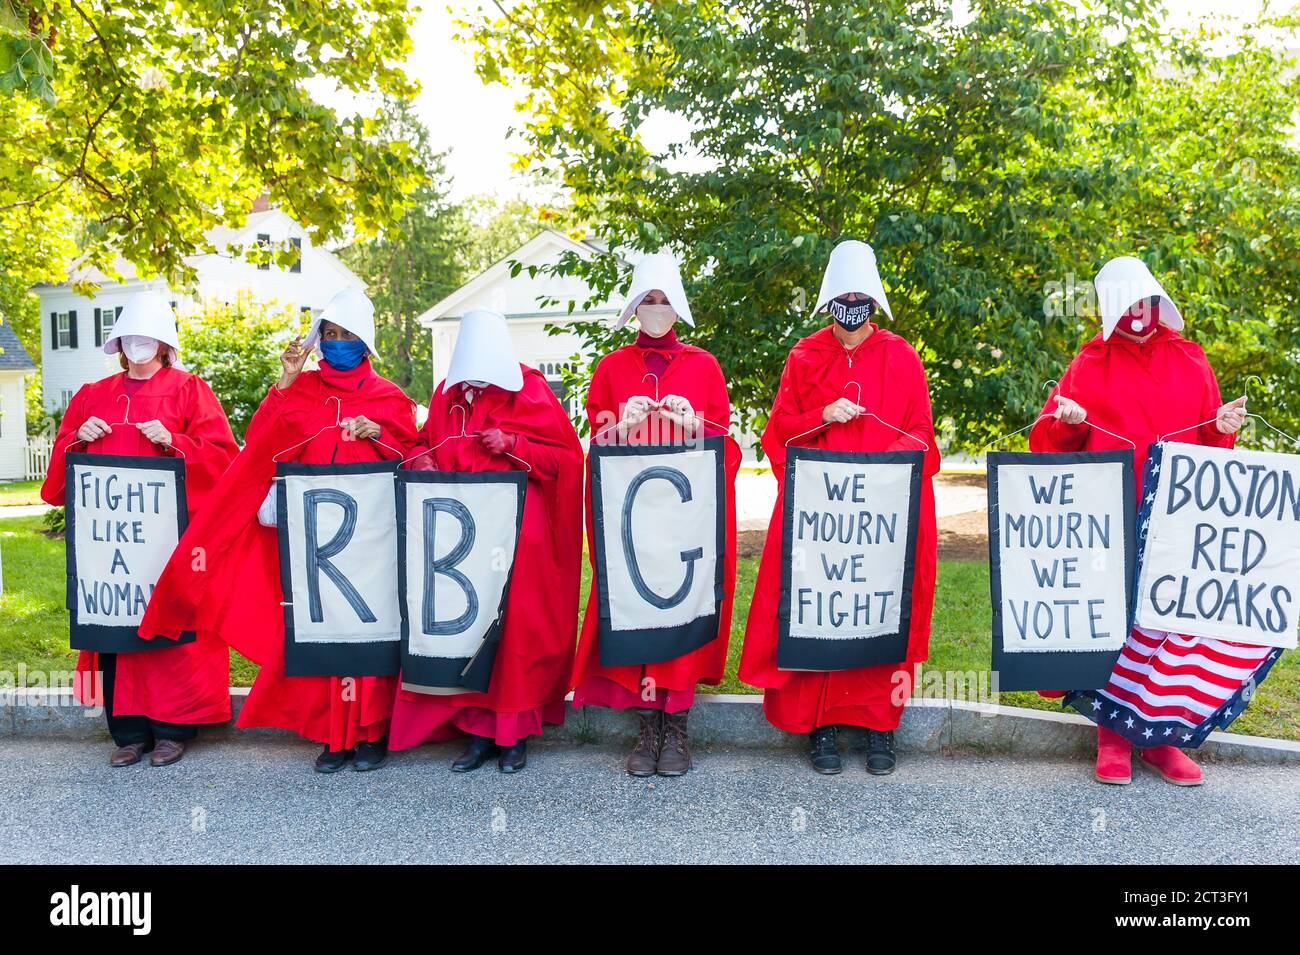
[[1140, 391], [532, 665], [694, 374], [817, 372], [237, 593], [187, 683]]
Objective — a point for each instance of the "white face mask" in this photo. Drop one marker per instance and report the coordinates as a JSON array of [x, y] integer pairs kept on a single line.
[[139, 348], [656, 320]]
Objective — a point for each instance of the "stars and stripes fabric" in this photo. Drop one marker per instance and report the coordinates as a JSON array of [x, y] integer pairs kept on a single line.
[[1171, 689]]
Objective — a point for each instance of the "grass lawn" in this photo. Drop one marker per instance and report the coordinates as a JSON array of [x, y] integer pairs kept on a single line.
[[20, 492], [34, 628]]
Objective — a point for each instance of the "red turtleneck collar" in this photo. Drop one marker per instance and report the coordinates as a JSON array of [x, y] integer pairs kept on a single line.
[[350, 380], [666, 342], [658, 351]]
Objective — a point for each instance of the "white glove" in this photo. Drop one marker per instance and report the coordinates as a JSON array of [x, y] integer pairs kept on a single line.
[[266, 512]]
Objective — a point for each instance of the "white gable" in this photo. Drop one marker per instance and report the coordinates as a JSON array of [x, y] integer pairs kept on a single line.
[[523, 295], [529, 302]]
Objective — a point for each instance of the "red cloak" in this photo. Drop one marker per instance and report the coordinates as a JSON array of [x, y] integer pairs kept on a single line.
[[695, 375], [892, 380], [1139, 390], [531, 673], [188, 683], [238, 592]]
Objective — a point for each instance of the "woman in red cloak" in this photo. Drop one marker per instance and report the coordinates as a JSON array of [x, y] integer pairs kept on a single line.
[[1138, 380], [153, 699], [342, 413], [690, 396], [494, 414], [882, 373]]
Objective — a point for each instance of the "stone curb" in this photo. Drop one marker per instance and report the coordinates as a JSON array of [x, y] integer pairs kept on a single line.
[[928, 726]]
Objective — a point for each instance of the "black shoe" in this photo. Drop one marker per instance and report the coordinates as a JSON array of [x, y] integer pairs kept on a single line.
[[332, 760], [824, 754], [880, 752], [513, 758], [371, 755], [478, 752]]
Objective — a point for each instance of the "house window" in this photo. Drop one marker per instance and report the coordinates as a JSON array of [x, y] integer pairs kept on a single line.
[[264, 240], [297, 262], [107, 316], [65, 398], [64, 323], [554, 372]]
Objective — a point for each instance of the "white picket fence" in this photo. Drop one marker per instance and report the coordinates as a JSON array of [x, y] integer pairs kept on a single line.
[[37, 458]]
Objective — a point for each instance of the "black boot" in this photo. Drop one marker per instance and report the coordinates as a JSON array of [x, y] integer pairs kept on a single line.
[[513, 758], [825, 755], [371, 755], [332, 760], [880, 752], [478, 752]]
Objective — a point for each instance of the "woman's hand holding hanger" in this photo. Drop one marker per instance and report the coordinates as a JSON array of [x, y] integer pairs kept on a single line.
[[636, 410], [361, 428], [93, 429], [841, 411], [679, 411]]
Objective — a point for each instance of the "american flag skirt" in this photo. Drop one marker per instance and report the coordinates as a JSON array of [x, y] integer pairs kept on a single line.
[[1169, 689]]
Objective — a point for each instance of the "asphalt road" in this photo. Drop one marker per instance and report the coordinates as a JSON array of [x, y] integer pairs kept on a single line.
[[256, 800]]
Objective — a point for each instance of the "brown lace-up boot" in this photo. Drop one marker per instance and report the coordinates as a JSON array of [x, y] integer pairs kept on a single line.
[[645, 756], [675, 754]]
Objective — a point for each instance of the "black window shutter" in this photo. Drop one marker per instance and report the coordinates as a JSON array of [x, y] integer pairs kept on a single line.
[[297, 263], [72, 329], [54, 330], [99, 328]]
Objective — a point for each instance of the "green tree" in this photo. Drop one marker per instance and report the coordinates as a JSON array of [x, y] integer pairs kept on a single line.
[[236, 349], [500, 225], [156, 120], [416, 263], [986, 161]]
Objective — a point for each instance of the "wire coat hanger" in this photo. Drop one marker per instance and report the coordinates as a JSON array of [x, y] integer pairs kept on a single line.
[[725, 429], [1245, 393], [337, 423], [464, 414], [126, 415], [1052, 382], [125, 422], [864, 413], [451, 437]]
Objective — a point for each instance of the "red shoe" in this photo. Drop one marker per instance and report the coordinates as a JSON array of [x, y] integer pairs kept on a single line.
[[1173, 765], [1113, 758]]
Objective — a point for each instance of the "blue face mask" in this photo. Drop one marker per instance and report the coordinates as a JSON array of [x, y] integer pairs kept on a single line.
[[343, 355]]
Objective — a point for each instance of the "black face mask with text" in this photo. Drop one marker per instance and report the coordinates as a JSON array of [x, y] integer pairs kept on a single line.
[[851, 315]]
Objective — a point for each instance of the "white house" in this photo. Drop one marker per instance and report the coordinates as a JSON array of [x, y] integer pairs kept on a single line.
[[15, 366], [74, 326], [519, 298]]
